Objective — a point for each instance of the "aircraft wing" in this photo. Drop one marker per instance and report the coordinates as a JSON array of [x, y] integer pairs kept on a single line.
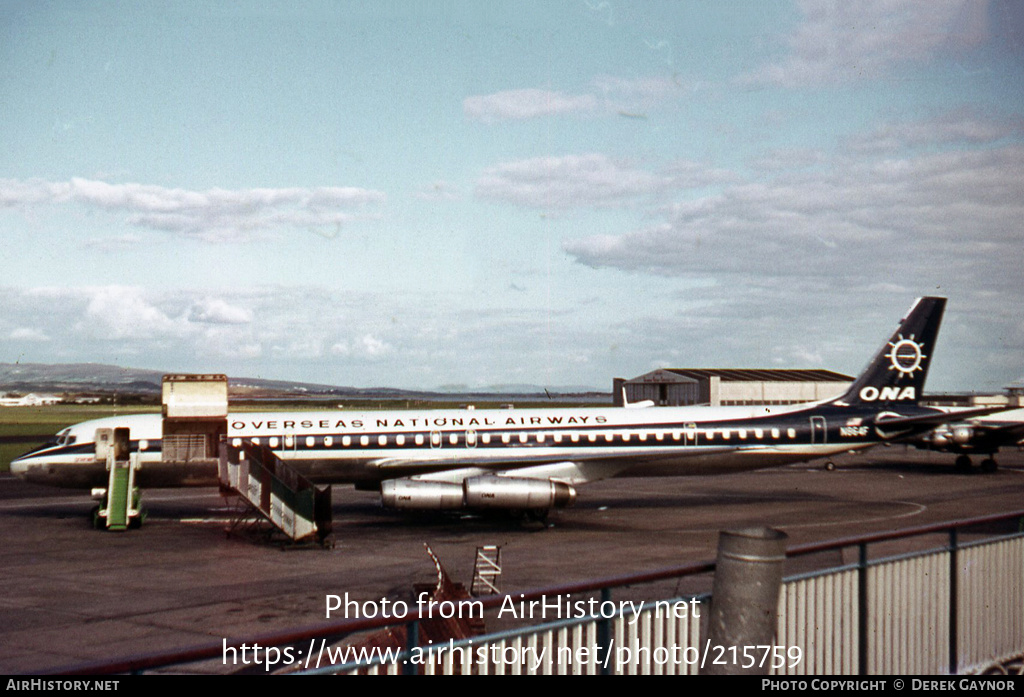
[[1010, 432], [582, 468], [904, 423]]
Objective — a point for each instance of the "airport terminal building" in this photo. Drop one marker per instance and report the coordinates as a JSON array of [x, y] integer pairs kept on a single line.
[[729, 386]]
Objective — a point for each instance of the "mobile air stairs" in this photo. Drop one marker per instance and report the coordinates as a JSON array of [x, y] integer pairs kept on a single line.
[[119, 506], [274, 492], [269, 490], [194, 441]]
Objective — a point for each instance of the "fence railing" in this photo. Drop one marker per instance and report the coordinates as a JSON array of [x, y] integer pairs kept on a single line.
[[952, 604]]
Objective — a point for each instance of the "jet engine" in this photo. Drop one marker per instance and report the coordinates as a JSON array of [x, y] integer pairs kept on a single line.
[[517, 493], [486, 492], [412, 494], [946, 437], [962, 434]]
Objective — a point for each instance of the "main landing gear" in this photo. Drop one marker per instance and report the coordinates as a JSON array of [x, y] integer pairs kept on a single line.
[[963, 464]]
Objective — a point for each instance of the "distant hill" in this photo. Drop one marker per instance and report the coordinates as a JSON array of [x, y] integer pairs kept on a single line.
[[97, 378], [77, 377]]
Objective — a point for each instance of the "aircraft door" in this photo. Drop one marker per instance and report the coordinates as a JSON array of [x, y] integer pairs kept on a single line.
[[819, 430], [122, 443], [104, 441]]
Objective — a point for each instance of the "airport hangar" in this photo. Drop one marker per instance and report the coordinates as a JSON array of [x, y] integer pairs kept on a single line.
[[729, 386]]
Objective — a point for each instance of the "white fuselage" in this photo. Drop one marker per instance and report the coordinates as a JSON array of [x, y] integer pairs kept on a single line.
[[368, 447]]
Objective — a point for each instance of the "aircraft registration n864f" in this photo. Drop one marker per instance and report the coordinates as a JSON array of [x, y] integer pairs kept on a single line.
[[535, 459]]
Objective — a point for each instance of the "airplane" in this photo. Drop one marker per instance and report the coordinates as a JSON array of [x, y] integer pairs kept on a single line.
[[981, 435], [531, 461]]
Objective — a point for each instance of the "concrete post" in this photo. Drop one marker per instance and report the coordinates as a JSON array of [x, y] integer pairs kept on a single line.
[[744, 601]]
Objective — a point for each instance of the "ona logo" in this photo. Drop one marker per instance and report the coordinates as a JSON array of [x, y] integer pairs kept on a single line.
[[872, 394], [906, 355]]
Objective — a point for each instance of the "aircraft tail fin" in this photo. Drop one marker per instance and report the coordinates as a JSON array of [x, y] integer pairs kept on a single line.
[[897, 373]]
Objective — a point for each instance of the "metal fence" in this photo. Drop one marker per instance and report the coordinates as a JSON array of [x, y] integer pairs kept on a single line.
[[958, 609], [955, 607]]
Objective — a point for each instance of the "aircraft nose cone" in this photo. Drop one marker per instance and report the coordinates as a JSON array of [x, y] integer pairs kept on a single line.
[[19, 466]]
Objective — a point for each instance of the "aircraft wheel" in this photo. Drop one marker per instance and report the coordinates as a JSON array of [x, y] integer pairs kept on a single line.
[[989, 465], [830, 466], [963, 464]]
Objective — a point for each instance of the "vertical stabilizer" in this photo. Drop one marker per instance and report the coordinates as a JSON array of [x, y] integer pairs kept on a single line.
[[896, 375]]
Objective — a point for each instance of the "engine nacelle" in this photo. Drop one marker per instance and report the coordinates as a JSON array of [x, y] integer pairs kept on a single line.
[[517, 493], [940, 438], [956, 438], [962, 435], [411, 494]]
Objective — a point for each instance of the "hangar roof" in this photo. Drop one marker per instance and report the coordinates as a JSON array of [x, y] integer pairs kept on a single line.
[[760, 375]]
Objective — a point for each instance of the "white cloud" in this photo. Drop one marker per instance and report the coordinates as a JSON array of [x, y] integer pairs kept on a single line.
[[958, 127], [219, 215], [125, 312], [839, 41], [957, 212], [28, 334], [429, 338], [797, 259], [115, 244], [526, 104], [365, 346], [636, 94], [610, 95], [572, 181], [218, 311]]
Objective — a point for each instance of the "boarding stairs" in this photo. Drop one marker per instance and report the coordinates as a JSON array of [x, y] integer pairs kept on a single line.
[[119, 503], [273, 492]]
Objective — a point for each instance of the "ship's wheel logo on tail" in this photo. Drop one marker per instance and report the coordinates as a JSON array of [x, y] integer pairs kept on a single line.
[[906, 355]]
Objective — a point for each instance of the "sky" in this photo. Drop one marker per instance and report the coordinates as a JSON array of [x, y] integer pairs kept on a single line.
[[438, 194]]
